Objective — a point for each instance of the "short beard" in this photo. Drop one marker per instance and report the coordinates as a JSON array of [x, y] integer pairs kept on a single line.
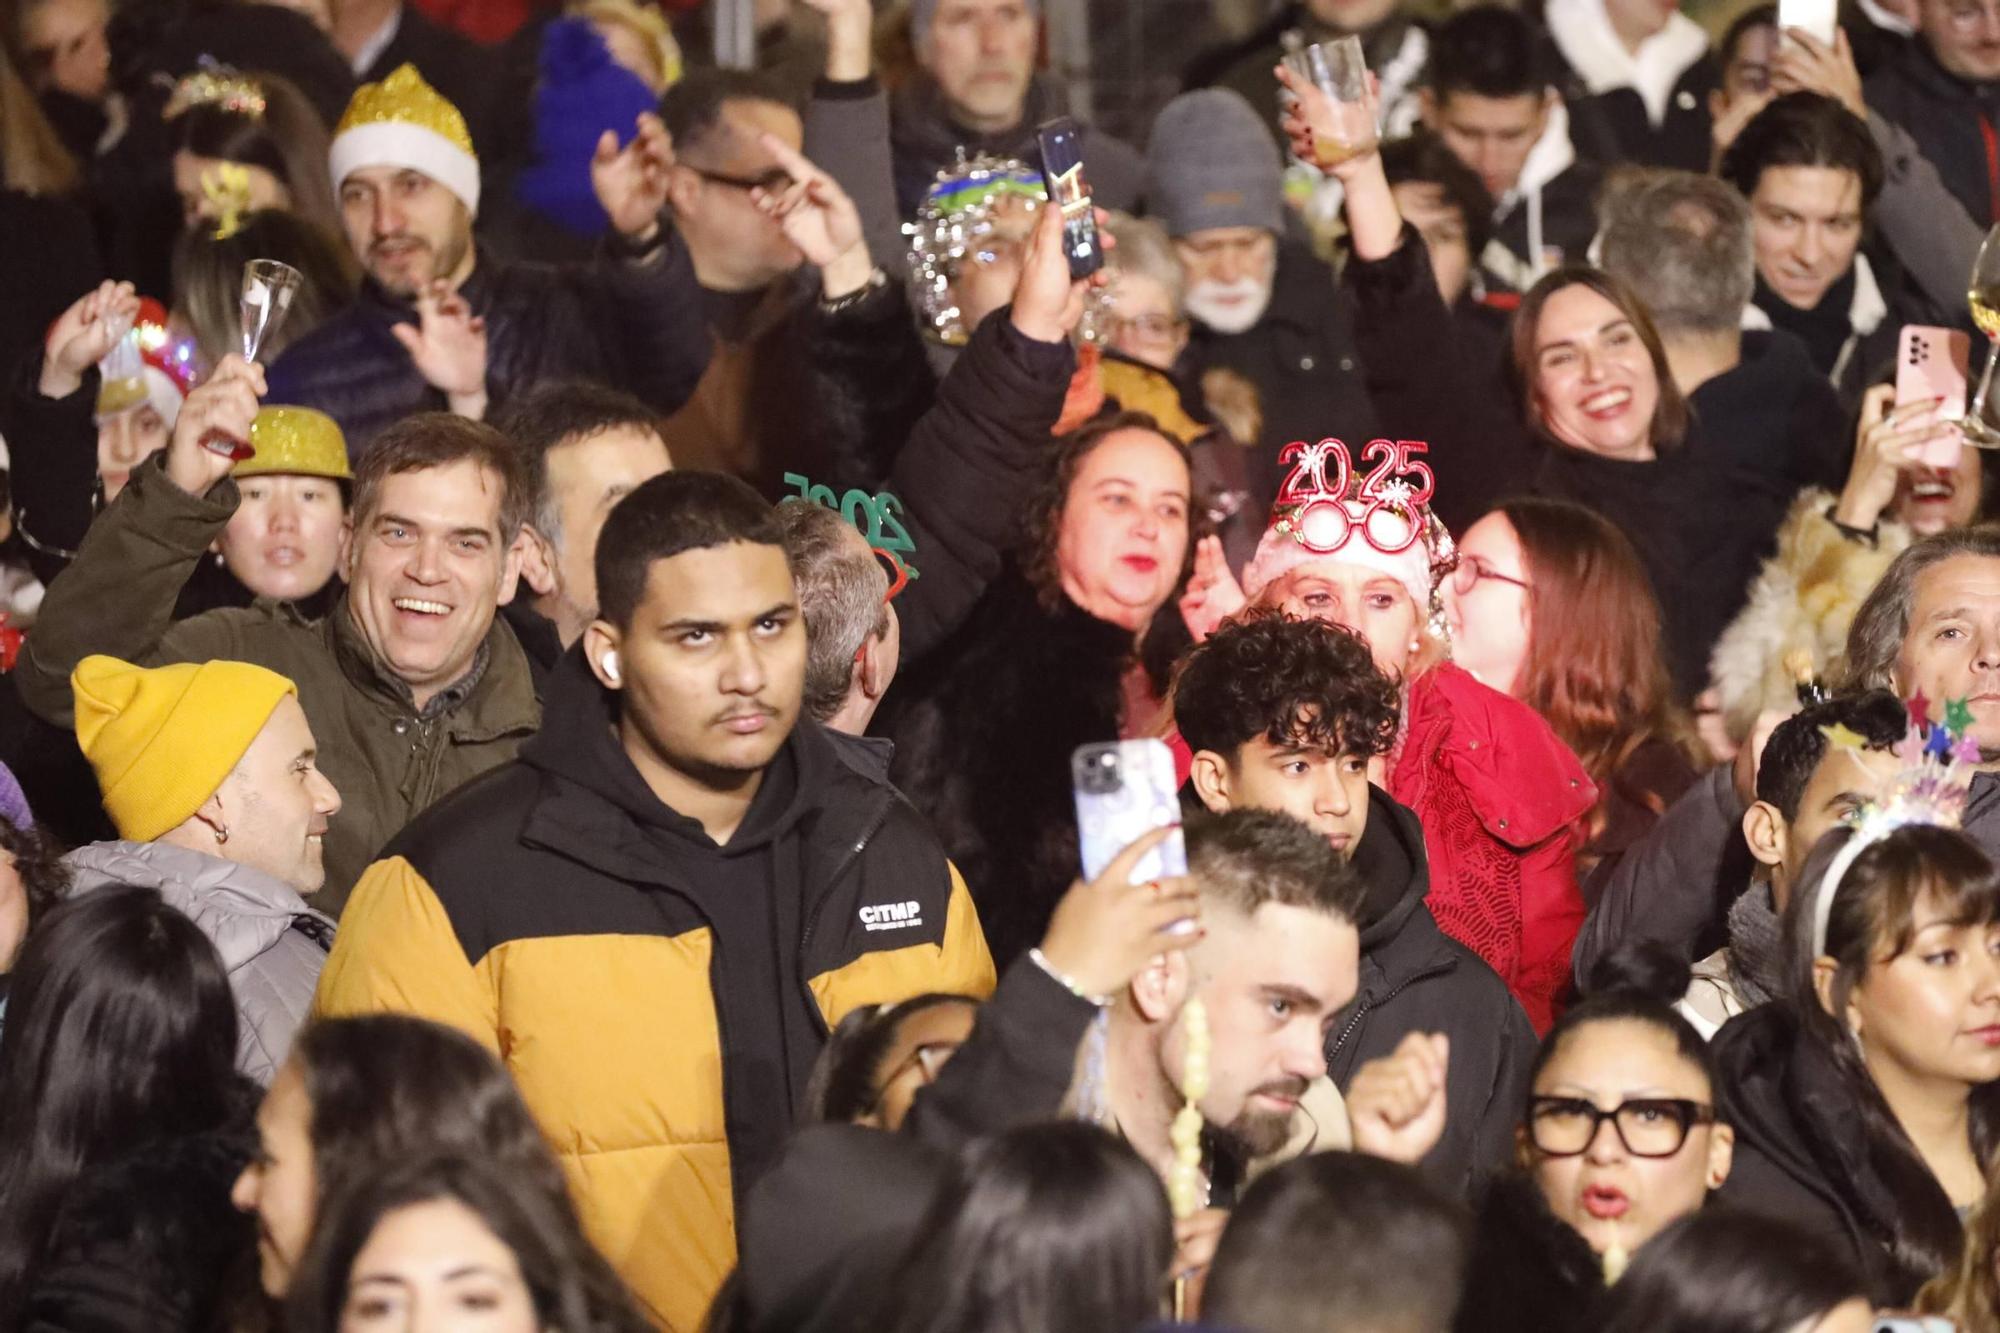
[[1237, 318], [1256, 1134]]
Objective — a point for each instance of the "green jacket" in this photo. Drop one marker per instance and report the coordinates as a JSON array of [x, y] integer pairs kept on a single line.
[[118, 598]]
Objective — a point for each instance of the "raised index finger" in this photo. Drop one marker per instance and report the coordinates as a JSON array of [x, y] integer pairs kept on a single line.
[[792, 160]]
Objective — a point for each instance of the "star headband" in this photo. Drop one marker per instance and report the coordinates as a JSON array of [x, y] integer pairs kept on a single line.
[[216, 85], [875, 517], [957, 213], [1938, 761]]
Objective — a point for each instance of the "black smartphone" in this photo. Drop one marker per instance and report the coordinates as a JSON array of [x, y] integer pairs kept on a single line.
[[1062, 170]]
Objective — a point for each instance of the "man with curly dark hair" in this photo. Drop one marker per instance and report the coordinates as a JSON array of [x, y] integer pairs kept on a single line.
[[1289, 715]]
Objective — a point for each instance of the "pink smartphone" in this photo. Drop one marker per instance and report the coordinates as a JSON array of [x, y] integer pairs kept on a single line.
[[1933, 363]]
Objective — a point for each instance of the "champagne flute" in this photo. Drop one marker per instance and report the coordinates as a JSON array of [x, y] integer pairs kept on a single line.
[[1983, 295], [1345, 128], [268, 289]]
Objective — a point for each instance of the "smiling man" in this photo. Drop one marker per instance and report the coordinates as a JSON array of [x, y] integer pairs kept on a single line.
[[408, 676], [439, 326], [734, 880], [1811, 171]]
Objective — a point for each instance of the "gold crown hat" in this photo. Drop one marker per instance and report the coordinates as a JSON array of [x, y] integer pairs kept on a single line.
[[404, 122], [297, 441]]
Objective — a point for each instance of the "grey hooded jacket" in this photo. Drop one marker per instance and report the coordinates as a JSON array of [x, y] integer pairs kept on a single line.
[[272, 944]]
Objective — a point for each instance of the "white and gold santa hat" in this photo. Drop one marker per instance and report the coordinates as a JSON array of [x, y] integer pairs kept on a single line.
[[404, 122]]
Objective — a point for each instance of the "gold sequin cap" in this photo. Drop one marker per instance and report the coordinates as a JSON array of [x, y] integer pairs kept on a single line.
[[295, 440]]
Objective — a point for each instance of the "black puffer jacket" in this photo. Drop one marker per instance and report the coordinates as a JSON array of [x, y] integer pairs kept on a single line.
[[635, 324], [1529, 1271], [984, 729], [149, 1242], [1415, 978], [1801, 1154]]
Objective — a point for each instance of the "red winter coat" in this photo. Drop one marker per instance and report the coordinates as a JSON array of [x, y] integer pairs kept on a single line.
[[1500, 799]]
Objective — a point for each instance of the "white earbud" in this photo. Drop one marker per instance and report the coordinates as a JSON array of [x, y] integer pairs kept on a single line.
[[610, 665]]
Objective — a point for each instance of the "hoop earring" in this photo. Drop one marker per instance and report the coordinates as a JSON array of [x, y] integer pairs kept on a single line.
[[221, 834]]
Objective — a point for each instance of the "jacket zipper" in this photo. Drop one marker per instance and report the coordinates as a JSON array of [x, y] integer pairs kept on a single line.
[[1354, 1019], [812, 918]]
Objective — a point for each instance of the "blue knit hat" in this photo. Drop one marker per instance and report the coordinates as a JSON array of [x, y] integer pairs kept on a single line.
[[582, 92]]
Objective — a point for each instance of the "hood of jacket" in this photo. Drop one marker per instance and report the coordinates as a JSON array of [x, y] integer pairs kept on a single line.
[[1397, 930], [1524, 783], [597, 809], [1552, 155], [1785, 1098], [244, 912]]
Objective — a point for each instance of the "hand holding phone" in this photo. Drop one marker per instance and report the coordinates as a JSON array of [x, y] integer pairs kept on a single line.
[[1933, 365], [1819, 19], [1125, 789], [1062, 170]]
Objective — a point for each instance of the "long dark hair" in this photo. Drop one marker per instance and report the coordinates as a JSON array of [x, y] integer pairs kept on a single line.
[[843, 1086], [1873, 919], [386, 1087], [1051, 1228], [1670, 418], [121, 1031], [1720, 1271], [574, 1289], [1595, 666]]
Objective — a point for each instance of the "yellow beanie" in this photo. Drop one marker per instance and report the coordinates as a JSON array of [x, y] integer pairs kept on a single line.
[[162, 739]]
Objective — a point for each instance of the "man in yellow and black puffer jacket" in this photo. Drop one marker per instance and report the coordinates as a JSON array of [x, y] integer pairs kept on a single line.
[[658, 911]]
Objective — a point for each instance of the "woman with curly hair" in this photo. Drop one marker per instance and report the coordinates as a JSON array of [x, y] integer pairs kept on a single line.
[[1068, 646]]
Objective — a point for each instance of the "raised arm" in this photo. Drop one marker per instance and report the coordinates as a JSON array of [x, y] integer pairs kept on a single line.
[[118, 595], [847, 128]]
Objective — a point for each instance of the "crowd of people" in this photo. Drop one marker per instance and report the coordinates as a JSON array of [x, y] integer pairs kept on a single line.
[[539, 754]]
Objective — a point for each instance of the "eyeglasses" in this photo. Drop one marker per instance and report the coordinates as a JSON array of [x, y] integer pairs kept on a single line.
[[770, 181], [1647, 1126], [1471, 569], [928, 1059], [1158, 328]]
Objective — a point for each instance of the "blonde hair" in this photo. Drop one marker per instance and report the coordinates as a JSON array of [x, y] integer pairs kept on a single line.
[[32, 159]]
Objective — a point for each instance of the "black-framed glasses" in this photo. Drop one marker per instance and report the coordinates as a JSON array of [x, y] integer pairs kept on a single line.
[[770, 181], [1647, 1126], [1471, 569], [929, 1059]]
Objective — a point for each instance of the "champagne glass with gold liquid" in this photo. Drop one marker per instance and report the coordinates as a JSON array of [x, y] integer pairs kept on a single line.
[[1984, 298]]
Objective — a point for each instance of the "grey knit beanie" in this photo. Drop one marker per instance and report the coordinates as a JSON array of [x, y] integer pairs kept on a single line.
[[923, 11], [1212, 163]]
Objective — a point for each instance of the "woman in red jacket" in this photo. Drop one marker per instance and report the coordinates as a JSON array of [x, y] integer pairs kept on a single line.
[[1501, 798]]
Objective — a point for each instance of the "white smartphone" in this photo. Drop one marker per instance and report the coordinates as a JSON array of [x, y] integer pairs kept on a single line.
[[1818, 18], [1125, 789]]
